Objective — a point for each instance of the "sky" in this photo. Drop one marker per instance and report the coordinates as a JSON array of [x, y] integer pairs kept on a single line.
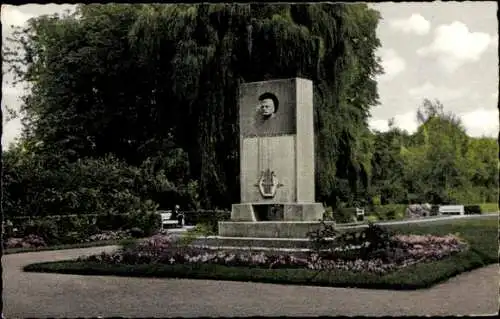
[[436, 50]]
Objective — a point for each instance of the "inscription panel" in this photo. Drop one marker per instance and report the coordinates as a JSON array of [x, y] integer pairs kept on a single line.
[[277, 154]]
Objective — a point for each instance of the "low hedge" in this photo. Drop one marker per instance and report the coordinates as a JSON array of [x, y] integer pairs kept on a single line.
[[472, 209], [489, 207], [70, 229], [344, 215], [387, 212]]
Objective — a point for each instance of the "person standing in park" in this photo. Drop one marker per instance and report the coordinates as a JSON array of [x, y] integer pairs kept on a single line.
[[179, 215]]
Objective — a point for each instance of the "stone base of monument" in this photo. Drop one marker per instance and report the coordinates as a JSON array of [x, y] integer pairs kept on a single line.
[[251, 243], [268, 229], [284, 225], [257, 212]]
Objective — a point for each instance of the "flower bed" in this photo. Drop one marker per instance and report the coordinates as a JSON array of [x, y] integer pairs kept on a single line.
[[405, 250], [108, 235], [30, 241]]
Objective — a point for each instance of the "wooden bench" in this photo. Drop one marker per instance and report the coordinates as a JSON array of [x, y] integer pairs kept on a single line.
[[166, 221], [452, 210]]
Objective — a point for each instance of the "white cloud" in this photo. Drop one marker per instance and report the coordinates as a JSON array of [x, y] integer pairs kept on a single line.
[[392, 63], [378, 125], [11, 131], [494, 42], [406, 121], [430, 91], [11, 15], [481, 122], [416, 24], [12, 128], [454, 45]]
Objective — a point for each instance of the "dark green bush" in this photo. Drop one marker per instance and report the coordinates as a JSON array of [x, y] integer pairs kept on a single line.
[[45, 228], [390, 212], [344, 215], [112, 221], [136, 232], [148, 222], [77, 224], [71, 237], [318, 238], [472, 209], [373, 240], [91, 229], [434, 210], [209, 218]]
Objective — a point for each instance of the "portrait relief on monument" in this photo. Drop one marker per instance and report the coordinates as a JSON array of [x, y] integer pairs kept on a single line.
[[267, 106], [267, 110]]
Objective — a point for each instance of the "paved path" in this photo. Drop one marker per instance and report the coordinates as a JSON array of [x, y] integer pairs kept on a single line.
[[53, 295]]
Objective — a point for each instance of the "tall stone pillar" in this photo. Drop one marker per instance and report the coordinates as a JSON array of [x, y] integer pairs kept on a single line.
[[276, 122]]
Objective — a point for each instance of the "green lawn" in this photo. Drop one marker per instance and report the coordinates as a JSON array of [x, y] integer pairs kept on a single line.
[[481, 234], [489, 208]]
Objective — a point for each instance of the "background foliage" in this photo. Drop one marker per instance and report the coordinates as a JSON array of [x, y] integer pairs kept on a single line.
[[133, 107]]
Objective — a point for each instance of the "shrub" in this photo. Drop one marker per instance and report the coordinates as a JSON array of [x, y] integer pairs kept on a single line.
[[71, 237], [112, 221], [472, 209], [319, 237], [390, 212], [136, 232], [91, 229], [328, 214], [45, 228], [434, 210], [209, 218], [344, 215], [204, 229], [148, 222], [73, 225]]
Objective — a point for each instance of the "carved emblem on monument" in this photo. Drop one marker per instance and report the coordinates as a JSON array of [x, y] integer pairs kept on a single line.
[[268, 184]]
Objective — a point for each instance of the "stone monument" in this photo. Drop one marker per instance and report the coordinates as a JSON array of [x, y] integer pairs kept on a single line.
[[277, 162]]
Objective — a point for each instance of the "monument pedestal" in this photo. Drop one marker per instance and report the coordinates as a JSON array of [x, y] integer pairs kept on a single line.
[[277, 220], [257, 212], [269, 229]]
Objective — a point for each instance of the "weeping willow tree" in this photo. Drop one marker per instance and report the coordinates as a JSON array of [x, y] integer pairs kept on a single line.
[[145, 78]]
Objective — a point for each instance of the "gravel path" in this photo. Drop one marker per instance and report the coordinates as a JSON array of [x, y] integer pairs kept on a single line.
[[52, 295]]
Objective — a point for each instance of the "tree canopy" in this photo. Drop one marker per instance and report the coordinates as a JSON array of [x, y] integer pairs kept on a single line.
[[140, 81], [148, 92]]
